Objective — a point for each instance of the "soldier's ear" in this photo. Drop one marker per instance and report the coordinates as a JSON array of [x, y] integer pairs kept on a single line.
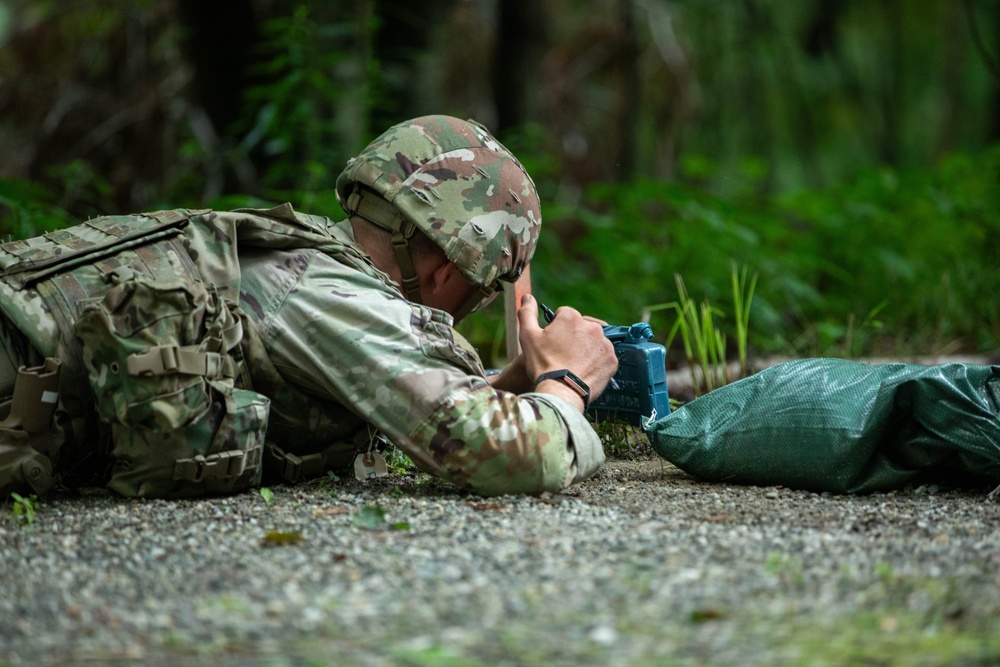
[[445, 275]]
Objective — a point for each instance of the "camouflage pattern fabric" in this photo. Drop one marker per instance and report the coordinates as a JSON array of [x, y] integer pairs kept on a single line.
[[48, 280], [458, 185], [158, 360], [337, 328], [339, 353]]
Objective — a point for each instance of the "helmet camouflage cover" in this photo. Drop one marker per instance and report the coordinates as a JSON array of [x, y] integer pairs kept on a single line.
[[457, 184]]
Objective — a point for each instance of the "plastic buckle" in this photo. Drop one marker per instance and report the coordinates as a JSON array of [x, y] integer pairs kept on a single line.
[[296, 468]]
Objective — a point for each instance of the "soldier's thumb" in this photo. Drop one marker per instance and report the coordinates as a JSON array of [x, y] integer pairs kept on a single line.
[[527, 315]]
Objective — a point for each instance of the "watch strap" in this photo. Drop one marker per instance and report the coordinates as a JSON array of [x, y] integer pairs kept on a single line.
[[571, 380]]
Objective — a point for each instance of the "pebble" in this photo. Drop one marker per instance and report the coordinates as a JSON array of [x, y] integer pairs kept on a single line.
[[641, 564]]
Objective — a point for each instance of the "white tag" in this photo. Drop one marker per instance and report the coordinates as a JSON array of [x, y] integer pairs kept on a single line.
[[368, 465], [50, 396]]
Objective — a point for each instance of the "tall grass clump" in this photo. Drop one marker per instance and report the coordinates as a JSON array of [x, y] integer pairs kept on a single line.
[[702, 335]]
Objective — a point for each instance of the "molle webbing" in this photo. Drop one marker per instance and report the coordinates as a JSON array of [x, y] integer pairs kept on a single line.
[[64, 249], [34, 399], [72, 267], [222, 470], [292, 468], [55, 276], [187, 359]]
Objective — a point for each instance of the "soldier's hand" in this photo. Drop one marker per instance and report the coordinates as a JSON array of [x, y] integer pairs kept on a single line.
[[570, 341], [514, 377]]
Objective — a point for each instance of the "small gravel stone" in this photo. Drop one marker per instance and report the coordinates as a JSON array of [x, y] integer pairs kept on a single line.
[[640, 565]]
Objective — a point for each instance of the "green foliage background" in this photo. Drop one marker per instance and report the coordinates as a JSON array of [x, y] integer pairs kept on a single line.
[[847, 152], [915, 249]]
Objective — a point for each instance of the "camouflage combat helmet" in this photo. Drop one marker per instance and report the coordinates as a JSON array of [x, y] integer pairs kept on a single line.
[[454, 182]]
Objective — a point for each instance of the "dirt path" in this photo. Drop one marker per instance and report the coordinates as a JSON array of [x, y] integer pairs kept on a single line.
[[640, 565]]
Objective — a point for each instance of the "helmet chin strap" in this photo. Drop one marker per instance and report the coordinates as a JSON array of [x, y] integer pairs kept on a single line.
[[480, 296], [369, 206]]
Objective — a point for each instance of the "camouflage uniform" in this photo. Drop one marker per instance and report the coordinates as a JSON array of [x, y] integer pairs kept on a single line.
[[328, 338], [336, 329]]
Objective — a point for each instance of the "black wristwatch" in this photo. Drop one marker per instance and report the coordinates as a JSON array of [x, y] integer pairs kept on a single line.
[[570, 379]]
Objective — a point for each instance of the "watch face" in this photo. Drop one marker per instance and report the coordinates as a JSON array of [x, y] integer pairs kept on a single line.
[[575, 382]]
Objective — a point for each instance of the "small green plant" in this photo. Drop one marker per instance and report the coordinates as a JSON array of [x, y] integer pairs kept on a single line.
[[856, 337], [620, 439], [23, 509], [329, 484], [885, 572], [785, 567], [704, 342], [397, 462], [742, 298], [267, 494]]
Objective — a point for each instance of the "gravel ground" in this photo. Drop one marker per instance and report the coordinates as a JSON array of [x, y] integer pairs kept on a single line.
[[640, 565]]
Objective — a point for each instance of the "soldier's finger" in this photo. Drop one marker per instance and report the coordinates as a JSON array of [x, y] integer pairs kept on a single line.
[[527, 315]]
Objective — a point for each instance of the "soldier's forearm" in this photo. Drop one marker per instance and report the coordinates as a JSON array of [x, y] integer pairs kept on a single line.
[[513, 378]]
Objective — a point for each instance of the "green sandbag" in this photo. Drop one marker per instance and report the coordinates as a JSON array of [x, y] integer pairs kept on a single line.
[[842, 426]]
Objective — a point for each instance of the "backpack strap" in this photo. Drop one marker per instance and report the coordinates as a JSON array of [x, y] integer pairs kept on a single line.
[[187, 359], [292, 468], [219, 472]]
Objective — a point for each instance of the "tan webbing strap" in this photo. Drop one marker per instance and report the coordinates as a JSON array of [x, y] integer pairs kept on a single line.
[[369, 206], [222, 467], [411, 283], [480, 296], [188, 360], [26, 442], [119, 274], [231, 336], [373, 208], [294, 468]]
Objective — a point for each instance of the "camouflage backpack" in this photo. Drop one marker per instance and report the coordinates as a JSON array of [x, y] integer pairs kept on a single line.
[[151, 367]]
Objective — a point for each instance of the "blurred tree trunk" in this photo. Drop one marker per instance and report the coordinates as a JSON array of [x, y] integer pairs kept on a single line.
[[823, 34], [752, 95], [953, 63], [403, 32], [220, 37], [362, 108], [627, 64], [994, 129], [995, 133], [804, 124], [521, 41], [219, 40], [892, 89]]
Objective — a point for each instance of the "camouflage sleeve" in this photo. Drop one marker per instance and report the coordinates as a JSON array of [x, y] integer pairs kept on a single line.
[[348, 336], [495, 442]]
